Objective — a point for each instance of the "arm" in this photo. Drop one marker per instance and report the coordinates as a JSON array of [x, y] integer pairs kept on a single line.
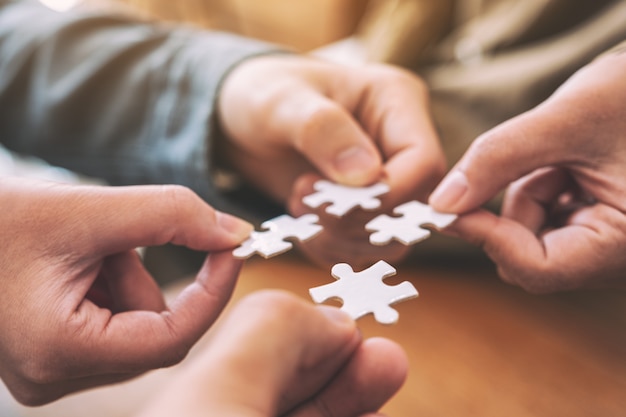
[[135, 102], [112, 96]]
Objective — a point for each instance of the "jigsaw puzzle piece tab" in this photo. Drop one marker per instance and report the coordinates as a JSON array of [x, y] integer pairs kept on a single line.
[[365, 292], [302, 228], [407, 228], [266, 244], [271, 242], [343, 198]]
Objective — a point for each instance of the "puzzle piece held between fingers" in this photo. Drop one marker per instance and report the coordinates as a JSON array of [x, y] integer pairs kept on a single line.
[[407, 229], [365, 292], [344, 198], [272, 241]]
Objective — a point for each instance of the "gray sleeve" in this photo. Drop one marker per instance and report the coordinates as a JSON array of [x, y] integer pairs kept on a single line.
[[112, 96]]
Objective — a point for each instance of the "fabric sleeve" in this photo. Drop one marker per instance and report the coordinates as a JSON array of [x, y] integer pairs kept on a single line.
[[113, 96]]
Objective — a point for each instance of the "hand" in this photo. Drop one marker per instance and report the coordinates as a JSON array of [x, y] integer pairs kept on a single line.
[[563, 223], [78, 309], [286, 116], [277, 355]]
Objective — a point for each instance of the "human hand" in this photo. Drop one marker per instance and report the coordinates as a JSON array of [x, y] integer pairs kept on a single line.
[[77, 308], [563, 222], [286, 116], [277, 355]]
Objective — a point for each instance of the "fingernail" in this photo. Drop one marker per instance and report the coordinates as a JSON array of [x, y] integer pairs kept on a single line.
[[337, 315], [238, 227], [355, 164], [449, 192]]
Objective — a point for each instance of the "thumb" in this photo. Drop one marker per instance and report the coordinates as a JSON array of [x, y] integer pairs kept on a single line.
[[136, 341], [504, 154], [330, 138]]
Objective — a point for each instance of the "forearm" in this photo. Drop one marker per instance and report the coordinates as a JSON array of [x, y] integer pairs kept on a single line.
[[111, 96]]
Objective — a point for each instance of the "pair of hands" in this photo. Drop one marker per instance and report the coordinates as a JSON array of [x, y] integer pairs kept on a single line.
[[70, 250], [290, 120], [78, 310], [562, 224]]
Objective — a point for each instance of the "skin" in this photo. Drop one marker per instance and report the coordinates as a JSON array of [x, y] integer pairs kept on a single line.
[[73, 306], [259, 365], [563, 222], [75, 294], [290, 120]]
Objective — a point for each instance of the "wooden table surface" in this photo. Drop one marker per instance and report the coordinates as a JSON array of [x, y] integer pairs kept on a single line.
[[477, 347]]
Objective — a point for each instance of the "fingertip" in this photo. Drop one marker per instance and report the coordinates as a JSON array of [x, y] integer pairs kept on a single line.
[[238, 228], [450, 193]]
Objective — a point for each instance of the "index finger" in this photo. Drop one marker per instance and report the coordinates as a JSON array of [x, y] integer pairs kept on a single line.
[[397, 115], [561, 259], [122, 218]]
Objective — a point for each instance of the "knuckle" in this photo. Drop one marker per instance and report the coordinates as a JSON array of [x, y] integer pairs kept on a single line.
[[174, 357], [42, 370], [32, 395], [181, 201], [394, 76], [178, 196], [487, 143], [531, 280]]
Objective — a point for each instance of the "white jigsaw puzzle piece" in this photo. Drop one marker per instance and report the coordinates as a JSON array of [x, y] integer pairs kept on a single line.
[[266, 244], [365, 292], [272, 241], [407, 228], [344, 198]]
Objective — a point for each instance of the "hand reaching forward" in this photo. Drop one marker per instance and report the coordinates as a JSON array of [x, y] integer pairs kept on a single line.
[[563, 223], [78, 309], [286, 116], [277, 355]]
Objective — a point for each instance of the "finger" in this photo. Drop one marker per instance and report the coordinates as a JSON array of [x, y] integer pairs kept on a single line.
[[131, 287], [128, 217], [562, 259], [515, 250], [109, 343], [329, 136], [375, 372], [396, 114], [587, 251], [533, 140], [530, 200]]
